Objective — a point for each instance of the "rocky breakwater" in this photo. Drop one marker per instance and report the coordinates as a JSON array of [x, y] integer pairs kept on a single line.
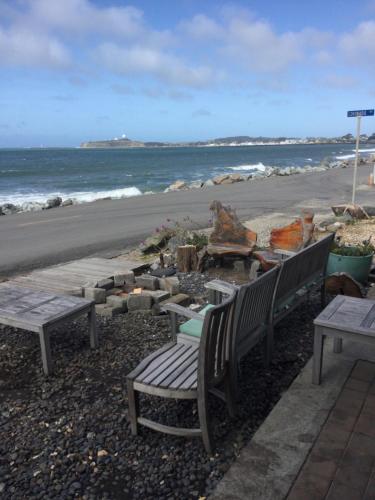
[[232, 178], [57, 201]]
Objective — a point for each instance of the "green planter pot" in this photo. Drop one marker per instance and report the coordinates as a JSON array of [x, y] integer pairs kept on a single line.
[[357, 267]]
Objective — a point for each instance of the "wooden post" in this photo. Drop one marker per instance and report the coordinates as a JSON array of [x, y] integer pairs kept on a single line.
[[187, 258]]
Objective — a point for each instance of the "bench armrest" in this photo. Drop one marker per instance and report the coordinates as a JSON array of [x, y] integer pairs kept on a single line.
[[182, 311], [222, 286], [287, 253]]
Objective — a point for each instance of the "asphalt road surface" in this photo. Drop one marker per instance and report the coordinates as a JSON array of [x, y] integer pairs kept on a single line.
[[30, 240]]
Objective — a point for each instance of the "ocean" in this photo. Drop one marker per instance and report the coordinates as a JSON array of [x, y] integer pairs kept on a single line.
[[29, 176]]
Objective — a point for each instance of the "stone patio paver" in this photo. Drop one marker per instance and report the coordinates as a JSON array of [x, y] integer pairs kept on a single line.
[[325, 426], [341, 464]]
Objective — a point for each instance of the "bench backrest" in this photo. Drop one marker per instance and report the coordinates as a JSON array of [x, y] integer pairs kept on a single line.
[[252, 311], [302, 269], [216, 333]]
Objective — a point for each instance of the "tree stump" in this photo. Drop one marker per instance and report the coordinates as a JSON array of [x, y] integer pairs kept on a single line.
[[343, 284], [187, 258]]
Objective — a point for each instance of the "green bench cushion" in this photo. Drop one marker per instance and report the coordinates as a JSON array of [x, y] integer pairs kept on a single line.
[[193, 327]]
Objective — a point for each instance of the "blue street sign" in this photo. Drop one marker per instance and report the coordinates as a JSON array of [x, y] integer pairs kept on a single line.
[[361, 112]]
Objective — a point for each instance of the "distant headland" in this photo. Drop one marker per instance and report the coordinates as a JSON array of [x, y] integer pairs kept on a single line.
[[242, 140]]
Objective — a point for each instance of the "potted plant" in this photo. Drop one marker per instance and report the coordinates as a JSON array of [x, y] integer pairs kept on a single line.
[[354, 260]]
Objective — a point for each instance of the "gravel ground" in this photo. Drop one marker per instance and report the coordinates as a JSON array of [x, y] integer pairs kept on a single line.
[[67, 436]]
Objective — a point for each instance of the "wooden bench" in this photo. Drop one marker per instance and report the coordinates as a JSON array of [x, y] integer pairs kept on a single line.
[[251, 322], [40, 312], [187, 370], [299, 275]]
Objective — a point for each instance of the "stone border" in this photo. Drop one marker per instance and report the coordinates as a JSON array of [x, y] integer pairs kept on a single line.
[[268, 466]]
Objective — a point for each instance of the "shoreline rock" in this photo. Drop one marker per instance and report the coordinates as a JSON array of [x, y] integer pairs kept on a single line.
[[182, 185]]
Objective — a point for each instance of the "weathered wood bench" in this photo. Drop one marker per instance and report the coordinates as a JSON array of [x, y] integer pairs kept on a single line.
[[251, 321], [40, 312], [299, 275]]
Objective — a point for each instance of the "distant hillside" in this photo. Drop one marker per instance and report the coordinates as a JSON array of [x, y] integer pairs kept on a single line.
[[241, 140]]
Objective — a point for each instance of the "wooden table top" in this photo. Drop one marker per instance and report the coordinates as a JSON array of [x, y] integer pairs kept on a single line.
[[32, 309], [349, 314]]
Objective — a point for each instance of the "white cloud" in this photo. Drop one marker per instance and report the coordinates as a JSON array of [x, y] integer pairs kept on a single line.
[[258, 48], [359, 45], [28, 48], [202, 27], [337, 81], [323, 57], [144, 60]]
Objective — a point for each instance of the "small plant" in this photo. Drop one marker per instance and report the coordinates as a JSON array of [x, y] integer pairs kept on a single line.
[[362, 250]]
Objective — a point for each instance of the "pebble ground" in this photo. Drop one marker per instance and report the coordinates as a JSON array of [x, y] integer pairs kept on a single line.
[[67, 436]]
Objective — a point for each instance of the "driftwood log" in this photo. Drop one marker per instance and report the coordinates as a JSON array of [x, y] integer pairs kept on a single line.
[[344, 284], [355, 211], [187, 258]]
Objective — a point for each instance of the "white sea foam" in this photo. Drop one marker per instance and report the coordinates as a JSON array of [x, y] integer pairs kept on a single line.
[[36, 200], [247, 168], [345, 157], [369, 150], [308, 159]]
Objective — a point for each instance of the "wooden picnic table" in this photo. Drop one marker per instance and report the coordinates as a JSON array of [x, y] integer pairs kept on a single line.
[[40, 312], [344, 318]]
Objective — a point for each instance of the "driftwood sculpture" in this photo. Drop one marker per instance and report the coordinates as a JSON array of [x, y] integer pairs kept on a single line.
[[228, 230], [229, 236], [291, 238], [294, 236]]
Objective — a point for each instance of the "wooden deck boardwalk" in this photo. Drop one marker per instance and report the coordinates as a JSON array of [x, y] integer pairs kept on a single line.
[[72, 277]]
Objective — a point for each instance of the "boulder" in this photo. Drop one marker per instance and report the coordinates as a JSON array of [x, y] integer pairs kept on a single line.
[[177, 186], [67, 203], [9, 208], [157, 241], [228, 179], [53, 202], [195, 185]]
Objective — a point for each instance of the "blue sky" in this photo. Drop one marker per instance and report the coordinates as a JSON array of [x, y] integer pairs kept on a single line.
[[77, 70]]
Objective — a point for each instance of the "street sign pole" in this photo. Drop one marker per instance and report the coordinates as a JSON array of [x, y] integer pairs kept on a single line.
[[358, 114], [356, 158]]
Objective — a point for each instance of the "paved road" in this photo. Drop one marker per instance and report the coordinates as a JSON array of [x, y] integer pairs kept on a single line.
[[30, 240]]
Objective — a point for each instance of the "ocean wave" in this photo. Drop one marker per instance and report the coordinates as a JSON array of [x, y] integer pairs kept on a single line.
[[247, 168], [345, 157], [369, 150], [85, 196], [308, 159], [36, 201]]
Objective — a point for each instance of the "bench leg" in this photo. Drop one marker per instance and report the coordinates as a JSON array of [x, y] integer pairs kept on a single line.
[[318, 355], [268, 346], [204, 422], [337, 345], [133, 401], [46, 351], [94, 343], [323, 295], [230, 395]]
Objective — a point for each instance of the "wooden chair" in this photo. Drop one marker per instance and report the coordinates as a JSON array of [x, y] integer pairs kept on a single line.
[[252, 319], [187, 370]]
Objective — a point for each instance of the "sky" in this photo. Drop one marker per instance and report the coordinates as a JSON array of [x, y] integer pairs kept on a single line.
[[79, 70]]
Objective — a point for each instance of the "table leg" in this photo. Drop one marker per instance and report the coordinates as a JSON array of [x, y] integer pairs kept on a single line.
[[94, 343], [46, 351], [337, 345], [318, 355]]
